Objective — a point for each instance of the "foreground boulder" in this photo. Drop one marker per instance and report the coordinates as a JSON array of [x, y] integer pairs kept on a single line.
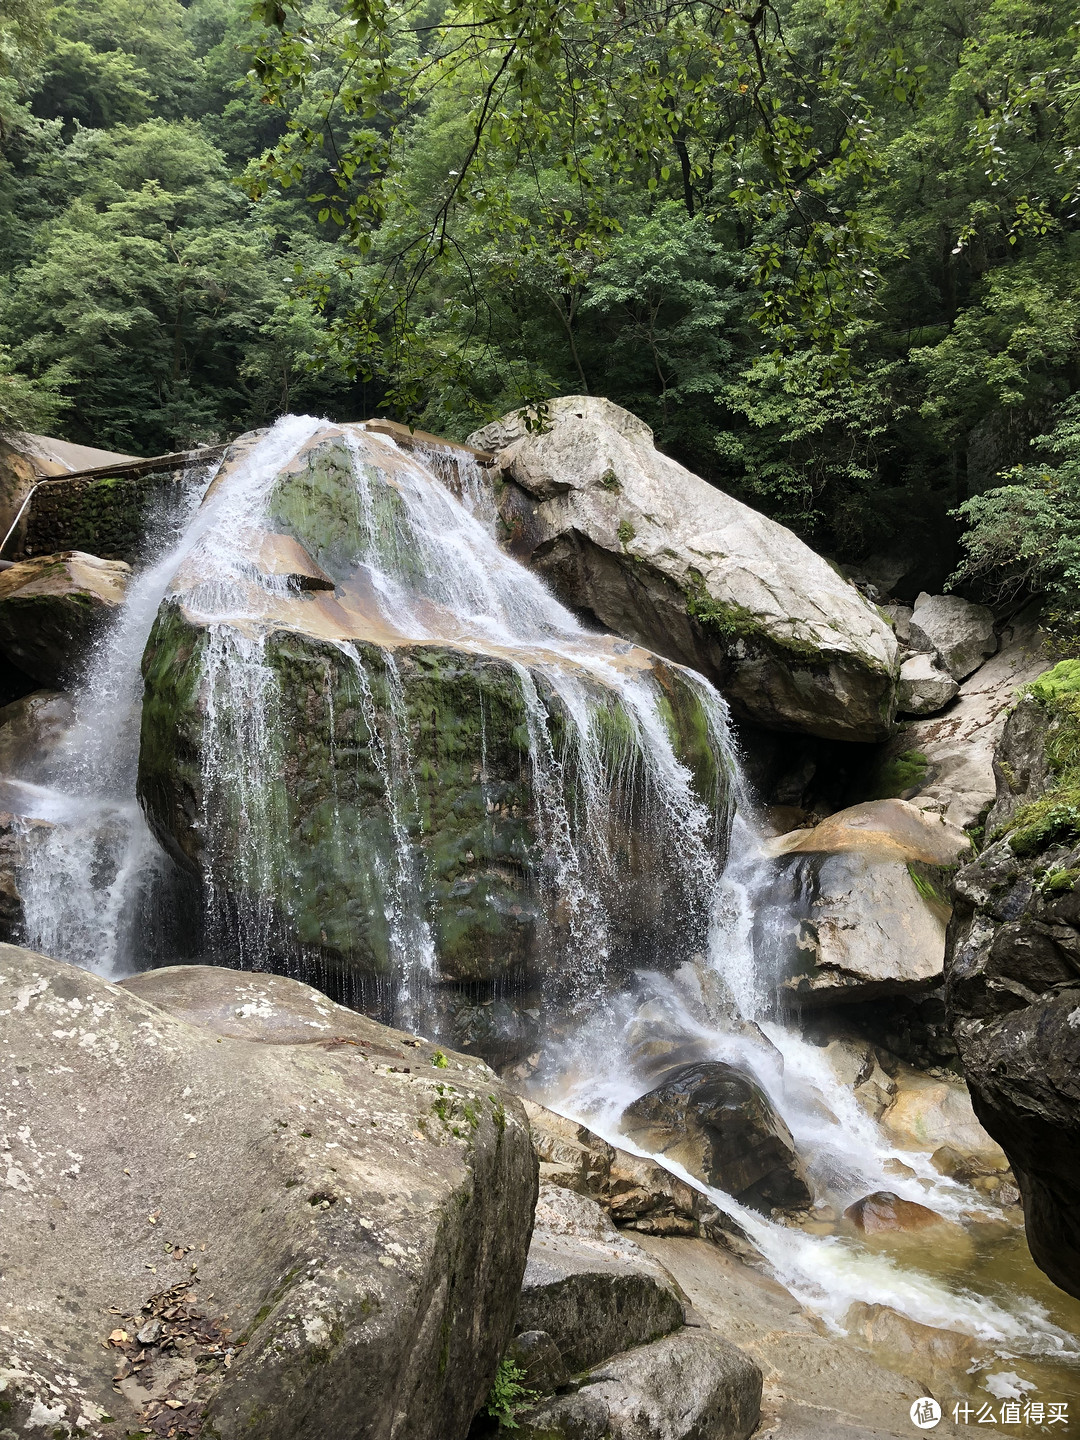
[[259, 1212], [603, 1322], [655, 553], [52, 609], [716, 1122], [857, 908], [592, 1290], [1013, 971], [371, 770]]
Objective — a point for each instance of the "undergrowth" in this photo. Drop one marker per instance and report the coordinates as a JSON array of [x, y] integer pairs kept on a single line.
[[1055, 816], [508, 1396]]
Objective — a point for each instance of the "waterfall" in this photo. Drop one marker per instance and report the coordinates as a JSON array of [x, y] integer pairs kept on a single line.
[[597, 740], [93, 881], [269, 875]]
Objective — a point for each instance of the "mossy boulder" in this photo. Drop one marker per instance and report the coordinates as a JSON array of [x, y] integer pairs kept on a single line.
[[377, 802]]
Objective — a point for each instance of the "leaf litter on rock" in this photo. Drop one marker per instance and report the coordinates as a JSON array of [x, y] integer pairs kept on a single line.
[[171, 1324]]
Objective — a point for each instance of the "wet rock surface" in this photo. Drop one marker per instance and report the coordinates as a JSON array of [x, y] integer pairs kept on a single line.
[[817, 1385], [656, 554], [858, 905], [883, 1212], [52, 608], [330, 1234], [717, 1122], [403, 733], [14, 831], [30, 729]]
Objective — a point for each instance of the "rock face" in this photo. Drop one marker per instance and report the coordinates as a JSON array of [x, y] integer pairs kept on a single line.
[[924, 688], [1013, 973], [592, 1290], [715, 1121], [30, 729], [927, 1111], [858, 907], [960, 632], [359, 752], [945, 763], [654, 553], [636, 1194], [593, 1298], [359, 1214], [52, 608]]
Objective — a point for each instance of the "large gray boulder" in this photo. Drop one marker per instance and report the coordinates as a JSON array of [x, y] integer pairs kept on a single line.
[[716, 1122], [657, 554], [925, 687], [858, 905], [594, 1301], [960, 632], [262, 1213], [52, 608], [692, 1385]]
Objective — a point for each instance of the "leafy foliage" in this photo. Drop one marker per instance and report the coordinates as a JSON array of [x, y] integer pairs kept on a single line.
[[828, 251], [1025, 535], [508, 1395]]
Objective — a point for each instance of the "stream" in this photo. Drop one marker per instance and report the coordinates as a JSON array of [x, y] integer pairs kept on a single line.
[[99, 891]]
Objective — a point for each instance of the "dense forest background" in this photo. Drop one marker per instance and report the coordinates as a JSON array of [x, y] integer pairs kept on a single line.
[[188, 247]]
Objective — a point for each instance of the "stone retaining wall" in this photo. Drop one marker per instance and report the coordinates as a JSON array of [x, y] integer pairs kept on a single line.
[[105, 515]]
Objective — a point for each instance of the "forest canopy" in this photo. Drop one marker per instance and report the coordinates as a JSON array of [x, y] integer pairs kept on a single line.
[[828, 251]]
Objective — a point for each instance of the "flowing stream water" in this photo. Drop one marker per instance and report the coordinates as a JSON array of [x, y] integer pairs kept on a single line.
[[99, 891]]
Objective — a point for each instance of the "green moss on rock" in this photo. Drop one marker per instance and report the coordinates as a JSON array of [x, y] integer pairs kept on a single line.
[[898, 774]]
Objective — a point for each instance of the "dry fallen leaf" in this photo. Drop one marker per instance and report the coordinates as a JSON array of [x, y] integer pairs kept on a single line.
[[119, 1337]]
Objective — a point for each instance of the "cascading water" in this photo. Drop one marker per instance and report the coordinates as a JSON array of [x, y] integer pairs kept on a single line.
[[599, 750], [973, 1291]]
